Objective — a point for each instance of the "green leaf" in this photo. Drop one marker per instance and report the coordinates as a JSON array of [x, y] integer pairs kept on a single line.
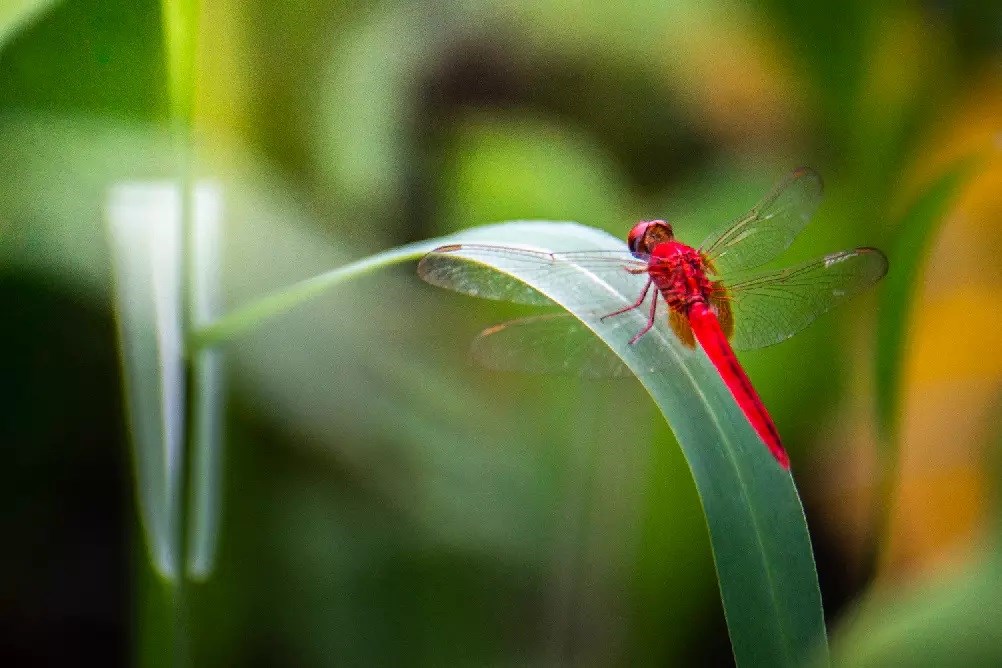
[[144, 224], [145, 230], [362, 118], [953, 621], [757, 527], [917, 229], [498, 168], [180, 19], [207, 387], [16, 14]]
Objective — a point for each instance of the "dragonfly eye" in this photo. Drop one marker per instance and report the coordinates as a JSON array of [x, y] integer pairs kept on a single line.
[[647, 234], [635, 239]]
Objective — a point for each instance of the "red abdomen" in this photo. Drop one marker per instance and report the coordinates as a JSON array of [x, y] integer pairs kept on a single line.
[[708, 332]]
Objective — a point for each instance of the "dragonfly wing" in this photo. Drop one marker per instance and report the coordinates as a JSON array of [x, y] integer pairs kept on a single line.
[[455, 272], [772, 307], [552, 344], [473, 269], [769, 228]]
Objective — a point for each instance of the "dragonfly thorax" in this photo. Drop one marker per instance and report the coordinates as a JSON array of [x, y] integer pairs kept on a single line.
[[679, 271]]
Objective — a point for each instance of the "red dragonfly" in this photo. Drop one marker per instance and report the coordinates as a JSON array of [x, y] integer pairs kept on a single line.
[[706, 302]]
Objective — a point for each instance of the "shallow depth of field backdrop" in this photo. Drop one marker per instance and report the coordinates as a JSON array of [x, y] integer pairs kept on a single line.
[[385, 501]]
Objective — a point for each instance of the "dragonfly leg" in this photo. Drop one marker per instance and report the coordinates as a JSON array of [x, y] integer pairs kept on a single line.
[[640, 300], [650, 319]]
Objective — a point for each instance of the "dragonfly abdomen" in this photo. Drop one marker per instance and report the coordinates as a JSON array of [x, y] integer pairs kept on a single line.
[[708, 331]]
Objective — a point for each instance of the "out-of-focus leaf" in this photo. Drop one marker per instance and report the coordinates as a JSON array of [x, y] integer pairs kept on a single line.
[[87, 56], [917, 229], [832, 53], [360, 126], [953, 622], [207, 386], [502, 168], [180, 20], [16, 14], [50, 224], [145, 236], [51, 231]]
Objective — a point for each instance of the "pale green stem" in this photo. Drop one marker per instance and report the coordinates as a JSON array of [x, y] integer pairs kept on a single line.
[[180, 33], [180, 20], [247, 317]]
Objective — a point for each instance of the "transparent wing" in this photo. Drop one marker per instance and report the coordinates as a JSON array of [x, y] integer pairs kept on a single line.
[[456, 267], [772, 307], [769, 228], [551, 344]]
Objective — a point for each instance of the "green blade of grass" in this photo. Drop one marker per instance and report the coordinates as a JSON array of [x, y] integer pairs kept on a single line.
[[757, 528], [207, 388], [180, 20], [917, 228], [145, 238], [952, 619], [253, 315]]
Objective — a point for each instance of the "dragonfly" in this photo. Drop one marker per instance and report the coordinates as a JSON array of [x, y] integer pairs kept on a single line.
[[709, 295]]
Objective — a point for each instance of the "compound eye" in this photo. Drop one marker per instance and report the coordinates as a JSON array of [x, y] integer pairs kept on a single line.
[[635, 240]]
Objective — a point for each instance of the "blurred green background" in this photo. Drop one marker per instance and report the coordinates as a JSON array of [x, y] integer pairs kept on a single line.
[[386, 503]]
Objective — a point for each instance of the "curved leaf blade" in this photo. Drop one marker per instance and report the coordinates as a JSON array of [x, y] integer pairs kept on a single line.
[[757, 527]]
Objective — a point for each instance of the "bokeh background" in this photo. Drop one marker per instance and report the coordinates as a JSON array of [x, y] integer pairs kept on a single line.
[[386, 502]]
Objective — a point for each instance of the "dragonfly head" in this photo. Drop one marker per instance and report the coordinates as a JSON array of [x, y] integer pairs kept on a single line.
[[647, 234]]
